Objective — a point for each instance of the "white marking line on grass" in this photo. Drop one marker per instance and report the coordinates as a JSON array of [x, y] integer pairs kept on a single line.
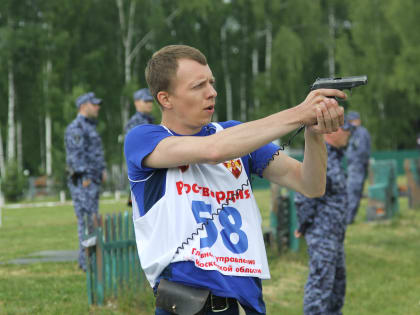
[[46, 204]]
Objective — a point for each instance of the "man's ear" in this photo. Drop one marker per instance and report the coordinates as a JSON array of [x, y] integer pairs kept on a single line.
[[82, 107], [163, 98]]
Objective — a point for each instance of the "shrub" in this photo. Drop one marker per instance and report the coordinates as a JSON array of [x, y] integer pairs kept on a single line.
[[14, 183]]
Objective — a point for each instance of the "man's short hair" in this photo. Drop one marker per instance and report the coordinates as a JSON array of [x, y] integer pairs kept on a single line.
[[163, 65]]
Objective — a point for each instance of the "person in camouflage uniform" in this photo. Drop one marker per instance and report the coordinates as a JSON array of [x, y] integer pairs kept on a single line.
[[85, 164], [322, 221], [357, 154], [143, 102]]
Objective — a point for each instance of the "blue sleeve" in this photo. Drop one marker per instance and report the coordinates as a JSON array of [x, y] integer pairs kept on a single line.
[[260, 157], [140, 142]]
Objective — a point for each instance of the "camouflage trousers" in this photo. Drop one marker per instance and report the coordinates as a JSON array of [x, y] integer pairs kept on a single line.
[[355, 181], [85, 201], [326, 286]]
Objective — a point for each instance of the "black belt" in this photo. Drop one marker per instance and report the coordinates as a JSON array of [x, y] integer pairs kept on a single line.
[[216, 303]]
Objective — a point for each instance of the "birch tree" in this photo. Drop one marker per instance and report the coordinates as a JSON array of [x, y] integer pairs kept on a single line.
[[226, 72], [127, 36], [131, 48], [2, 165], [11, 131]]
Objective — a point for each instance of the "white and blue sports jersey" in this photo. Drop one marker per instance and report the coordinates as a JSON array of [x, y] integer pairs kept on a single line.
[[199, 224]]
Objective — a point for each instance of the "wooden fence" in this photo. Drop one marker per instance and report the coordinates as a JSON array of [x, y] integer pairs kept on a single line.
[[112, 261]]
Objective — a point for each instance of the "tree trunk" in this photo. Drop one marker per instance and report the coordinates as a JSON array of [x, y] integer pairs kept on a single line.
[[41, 124], [48, 145], [11, 117], [331, 42], [268, 51], [2, 166], [244, 69], [48, 124], [127, 30], [19, 145], [226, 75], [254, 77], [242, 89]]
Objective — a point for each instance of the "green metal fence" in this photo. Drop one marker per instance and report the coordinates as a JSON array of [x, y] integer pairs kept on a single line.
[[283, 221], [383, 190], [399, 156], [112, 261]]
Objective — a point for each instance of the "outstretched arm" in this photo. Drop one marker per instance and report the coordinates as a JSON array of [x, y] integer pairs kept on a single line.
[[239, 140]]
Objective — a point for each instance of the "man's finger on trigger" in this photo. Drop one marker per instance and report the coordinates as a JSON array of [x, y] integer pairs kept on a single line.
[[334, 93]]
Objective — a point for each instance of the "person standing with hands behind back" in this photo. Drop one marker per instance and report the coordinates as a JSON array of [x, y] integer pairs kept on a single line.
[[196, 221], [85, 164]]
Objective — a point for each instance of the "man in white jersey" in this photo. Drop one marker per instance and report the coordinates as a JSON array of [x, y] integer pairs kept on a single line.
[[196, 220]]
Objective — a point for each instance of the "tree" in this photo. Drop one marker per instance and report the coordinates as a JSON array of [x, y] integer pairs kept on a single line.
[[369, 46]]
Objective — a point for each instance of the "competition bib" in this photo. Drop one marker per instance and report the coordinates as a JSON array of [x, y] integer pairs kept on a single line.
[[227, 231]]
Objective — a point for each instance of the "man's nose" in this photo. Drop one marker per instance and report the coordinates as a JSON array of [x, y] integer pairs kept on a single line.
[[212, 91]]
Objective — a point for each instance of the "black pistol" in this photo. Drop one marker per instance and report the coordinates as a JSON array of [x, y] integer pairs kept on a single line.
[[345, 83]]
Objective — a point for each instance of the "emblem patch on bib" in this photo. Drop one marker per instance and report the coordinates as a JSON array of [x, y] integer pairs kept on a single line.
[[234, 166]]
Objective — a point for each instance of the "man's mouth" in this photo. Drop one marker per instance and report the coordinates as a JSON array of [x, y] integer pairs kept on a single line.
[[210, 108]]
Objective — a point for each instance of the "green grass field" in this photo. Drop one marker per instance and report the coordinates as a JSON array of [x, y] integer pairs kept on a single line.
[[383, 276]]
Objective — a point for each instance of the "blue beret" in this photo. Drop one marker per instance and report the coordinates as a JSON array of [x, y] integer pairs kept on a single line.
[[143, 94], [87, 97], [353, 115]]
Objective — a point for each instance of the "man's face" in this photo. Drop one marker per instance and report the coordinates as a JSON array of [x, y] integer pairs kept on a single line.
[[92, 110], [355, 122], [192, 95], [342, 137], [143, 106], [339, 138]]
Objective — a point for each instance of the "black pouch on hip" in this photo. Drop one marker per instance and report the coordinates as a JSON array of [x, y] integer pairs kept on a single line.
[[178, 298]]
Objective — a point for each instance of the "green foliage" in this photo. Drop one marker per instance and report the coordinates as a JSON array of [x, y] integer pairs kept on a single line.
[[14, 183], [83, 42]]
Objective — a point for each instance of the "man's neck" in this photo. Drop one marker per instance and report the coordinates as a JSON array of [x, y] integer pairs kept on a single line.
[[181, 129]]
